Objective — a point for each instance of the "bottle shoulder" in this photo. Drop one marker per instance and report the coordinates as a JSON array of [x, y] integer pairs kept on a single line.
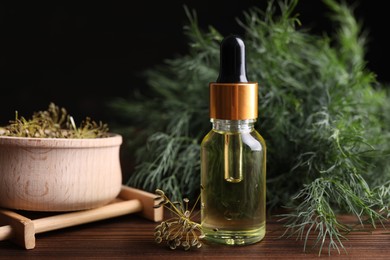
[[258, 136], [252, 138]]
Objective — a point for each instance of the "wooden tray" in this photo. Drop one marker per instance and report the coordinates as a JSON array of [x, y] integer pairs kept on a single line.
[[21, 229]]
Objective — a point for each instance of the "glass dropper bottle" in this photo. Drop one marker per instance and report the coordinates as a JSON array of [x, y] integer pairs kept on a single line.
[[233, 155]]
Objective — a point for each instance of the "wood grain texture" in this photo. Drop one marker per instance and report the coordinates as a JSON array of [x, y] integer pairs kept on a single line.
[[57, 174], [22, 232], [131, 237], [22, 229]]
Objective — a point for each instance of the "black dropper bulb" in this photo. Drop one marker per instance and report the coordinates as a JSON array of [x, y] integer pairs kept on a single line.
[[232, 61]]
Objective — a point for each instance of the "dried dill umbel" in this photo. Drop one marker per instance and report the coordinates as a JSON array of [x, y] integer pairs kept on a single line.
[[179, 231], [55, 122]]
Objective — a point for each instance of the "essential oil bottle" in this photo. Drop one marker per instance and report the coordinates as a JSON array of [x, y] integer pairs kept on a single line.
[[233, 155]]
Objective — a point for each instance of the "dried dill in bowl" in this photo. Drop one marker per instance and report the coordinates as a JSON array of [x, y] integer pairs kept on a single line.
[[55, 122]]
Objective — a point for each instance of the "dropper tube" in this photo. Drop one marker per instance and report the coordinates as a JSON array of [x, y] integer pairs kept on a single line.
[[232, 97]]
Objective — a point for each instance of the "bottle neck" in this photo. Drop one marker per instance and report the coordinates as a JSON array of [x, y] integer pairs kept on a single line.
[[240, 126]]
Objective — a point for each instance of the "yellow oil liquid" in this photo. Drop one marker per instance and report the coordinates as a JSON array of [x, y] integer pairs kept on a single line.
[[233, 187]]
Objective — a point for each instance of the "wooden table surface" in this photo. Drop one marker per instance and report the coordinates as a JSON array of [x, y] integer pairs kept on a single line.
[[131, 237]]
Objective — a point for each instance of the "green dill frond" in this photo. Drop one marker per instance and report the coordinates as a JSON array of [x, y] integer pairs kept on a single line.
[[381, 198], [315, 218]]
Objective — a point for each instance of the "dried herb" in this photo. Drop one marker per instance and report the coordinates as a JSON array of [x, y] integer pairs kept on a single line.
[[323, 114], [179, 230], [53, 123]]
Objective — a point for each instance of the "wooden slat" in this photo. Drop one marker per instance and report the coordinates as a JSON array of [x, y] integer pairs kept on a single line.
[[22, 229], [22, 232]]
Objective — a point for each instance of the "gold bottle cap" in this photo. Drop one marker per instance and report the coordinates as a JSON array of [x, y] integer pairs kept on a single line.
[[233, 101]]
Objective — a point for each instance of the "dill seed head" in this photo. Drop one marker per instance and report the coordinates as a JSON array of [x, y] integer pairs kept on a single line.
[[179, 230]]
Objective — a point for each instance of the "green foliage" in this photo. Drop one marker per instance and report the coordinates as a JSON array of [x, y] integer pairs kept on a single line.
[[53, 123], [324, 117]]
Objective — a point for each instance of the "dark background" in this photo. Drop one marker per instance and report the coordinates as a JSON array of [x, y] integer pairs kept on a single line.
[[80, 55]]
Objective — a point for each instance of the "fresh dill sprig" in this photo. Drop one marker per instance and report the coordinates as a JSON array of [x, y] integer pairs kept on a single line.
[[323, 114], [53, 123], [315, 218]]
